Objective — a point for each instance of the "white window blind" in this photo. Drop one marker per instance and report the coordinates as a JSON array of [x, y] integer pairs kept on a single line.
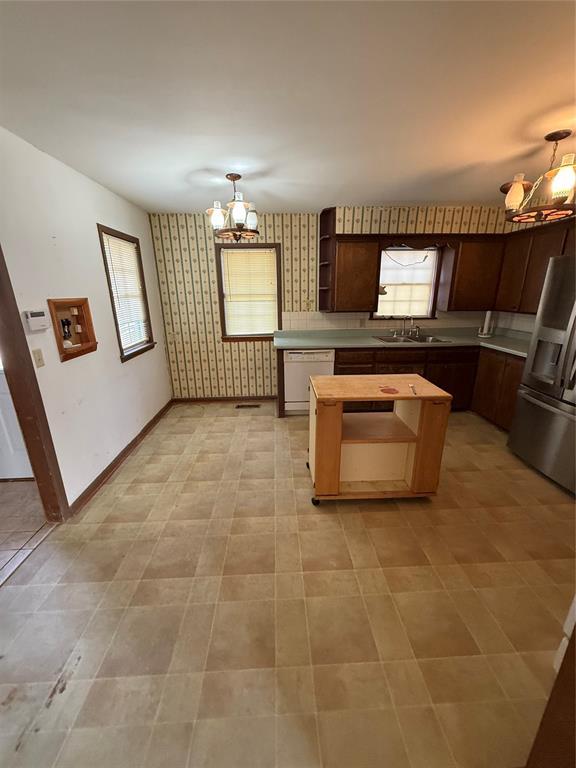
[[406, 282], [249, 291], [123, 262]]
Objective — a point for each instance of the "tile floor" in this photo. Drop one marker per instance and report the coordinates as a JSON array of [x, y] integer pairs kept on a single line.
[[201, 613], [22, 524]]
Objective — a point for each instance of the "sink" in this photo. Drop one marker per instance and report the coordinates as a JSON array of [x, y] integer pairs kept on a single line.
[[413, 339], [394, 339]]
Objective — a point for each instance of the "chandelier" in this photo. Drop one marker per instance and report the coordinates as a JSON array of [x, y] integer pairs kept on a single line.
[[238, 221], [551, 197]]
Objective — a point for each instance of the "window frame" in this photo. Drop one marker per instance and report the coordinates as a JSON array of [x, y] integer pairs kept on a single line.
[[432, 314], [150, 344], [218, 248]]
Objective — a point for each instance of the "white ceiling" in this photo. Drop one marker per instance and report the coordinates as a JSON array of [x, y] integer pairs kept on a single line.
[[315, 103]]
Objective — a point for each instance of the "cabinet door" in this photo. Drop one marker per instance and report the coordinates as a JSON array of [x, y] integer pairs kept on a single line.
[[455, 378], [547, 241], [511, 378], [488, 383], [514, 264], [356, 282], [477, 270]]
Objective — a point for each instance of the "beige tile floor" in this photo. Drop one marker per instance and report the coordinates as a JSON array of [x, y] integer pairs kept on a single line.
[[22, 524], [201, 612]]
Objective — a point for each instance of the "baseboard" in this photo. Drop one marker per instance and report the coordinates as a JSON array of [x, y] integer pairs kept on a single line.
[[16, 479], [99, 481], [240, 399]]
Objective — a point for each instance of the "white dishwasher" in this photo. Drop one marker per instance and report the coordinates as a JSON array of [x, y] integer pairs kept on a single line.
[[299, 365]]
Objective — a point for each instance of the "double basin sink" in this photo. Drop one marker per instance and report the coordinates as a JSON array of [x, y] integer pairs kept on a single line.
[[413, 339]]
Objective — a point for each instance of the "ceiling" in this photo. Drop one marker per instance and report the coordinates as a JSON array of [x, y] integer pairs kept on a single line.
[[317, 104]]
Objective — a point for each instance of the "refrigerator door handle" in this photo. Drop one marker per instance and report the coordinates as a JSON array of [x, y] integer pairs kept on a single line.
[[572, 380], [545, 406]]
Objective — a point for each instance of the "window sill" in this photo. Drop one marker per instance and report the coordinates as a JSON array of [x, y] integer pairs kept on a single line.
[[125, 356], [266, 337]]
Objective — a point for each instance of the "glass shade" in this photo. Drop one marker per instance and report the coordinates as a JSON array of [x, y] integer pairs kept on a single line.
[[515, 194], [238, 209], [217, 215], [252, 218], [564, 180]]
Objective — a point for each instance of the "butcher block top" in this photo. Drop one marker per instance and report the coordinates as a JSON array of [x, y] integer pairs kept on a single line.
[[396, 386]]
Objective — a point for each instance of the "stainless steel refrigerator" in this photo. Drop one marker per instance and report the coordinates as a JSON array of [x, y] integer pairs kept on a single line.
[[543, 430]]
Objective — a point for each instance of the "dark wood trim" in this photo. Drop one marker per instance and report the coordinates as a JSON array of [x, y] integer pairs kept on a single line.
[[138, 351], [241, 399], [218, 247], [99, 481], [555, 738], [103, 230], [269, 337], [16, 479], [25, 392], [436, 284], [281, 408]]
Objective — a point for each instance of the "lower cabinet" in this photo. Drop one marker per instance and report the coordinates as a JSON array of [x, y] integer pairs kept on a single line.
[[497, 381], [452, 369]]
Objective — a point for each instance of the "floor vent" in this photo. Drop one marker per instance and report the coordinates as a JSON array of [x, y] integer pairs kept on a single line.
[[248, 405]]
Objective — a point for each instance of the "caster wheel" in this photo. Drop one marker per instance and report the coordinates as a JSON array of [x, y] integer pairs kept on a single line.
[[316, 502], [307, 465]]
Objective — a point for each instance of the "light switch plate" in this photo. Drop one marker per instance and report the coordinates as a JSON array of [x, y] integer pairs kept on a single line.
[[38, 358]]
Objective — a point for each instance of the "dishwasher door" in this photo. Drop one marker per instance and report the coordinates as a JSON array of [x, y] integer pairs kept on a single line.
[[299, 365]]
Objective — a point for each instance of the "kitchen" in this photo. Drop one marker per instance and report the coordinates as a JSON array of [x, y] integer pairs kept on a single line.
[[287, 319]]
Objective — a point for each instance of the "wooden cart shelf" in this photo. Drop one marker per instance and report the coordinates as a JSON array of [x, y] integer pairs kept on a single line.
[[375, 428], [376, 455]]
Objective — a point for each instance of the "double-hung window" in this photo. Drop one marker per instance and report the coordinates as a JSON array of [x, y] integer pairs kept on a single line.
[[249, 290], [407, 282], [123, 264]]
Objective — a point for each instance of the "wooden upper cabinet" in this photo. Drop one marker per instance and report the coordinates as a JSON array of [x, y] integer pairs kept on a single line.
[[547, 240], [356, 276], [514, 265], [469, 276]]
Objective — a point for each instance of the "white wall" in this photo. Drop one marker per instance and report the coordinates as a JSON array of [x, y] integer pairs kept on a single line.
[[48, 213]]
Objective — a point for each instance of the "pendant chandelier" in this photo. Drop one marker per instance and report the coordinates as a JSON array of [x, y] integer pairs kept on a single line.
[[238, 221], [551, 197]]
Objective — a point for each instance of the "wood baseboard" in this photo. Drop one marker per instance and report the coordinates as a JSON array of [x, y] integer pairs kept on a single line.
[[241, 399], [99, 481], [17, 480]]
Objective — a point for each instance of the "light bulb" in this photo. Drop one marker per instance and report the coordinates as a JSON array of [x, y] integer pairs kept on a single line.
[[565, 179], [515, 194], [238, 209], [252, 218], [217, 217]]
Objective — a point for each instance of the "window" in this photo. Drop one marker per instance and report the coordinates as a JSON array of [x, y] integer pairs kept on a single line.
[[407, 282], [125, 275], [249, 288]]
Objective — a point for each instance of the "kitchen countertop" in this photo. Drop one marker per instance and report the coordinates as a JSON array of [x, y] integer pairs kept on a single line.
[[511, 342]]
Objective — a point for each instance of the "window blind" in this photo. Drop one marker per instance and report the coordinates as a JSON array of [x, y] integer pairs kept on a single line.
[[407, 277], [123, 262], [249, 291]]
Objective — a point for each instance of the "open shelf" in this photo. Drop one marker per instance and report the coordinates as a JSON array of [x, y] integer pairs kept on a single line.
[[375, 428]]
